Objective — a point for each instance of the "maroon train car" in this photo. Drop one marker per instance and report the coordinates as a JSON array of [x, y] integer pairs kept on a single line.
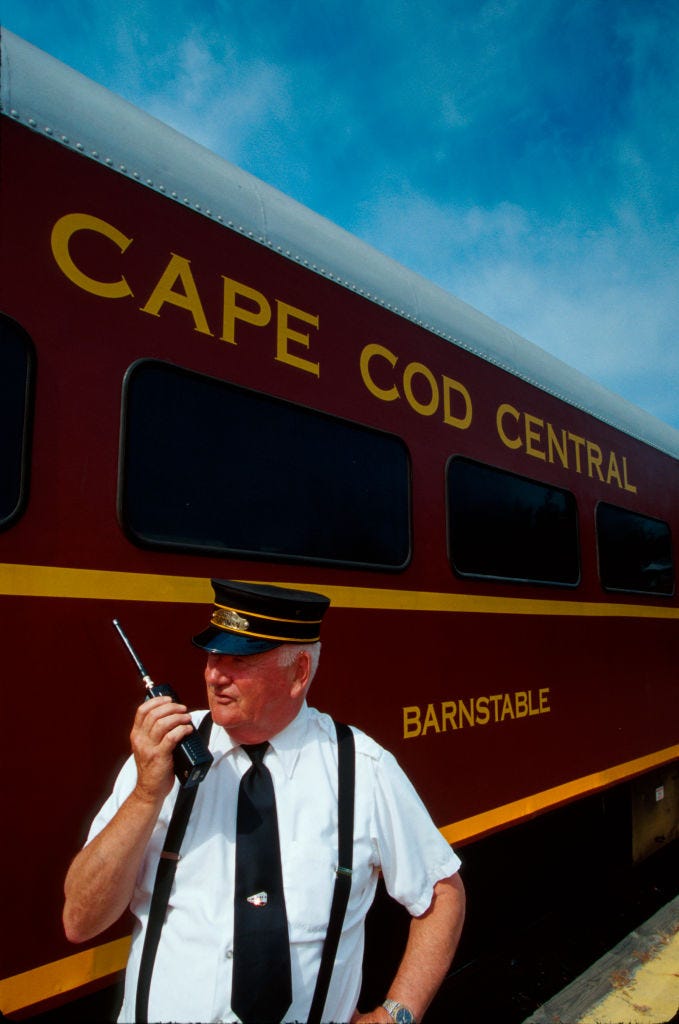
[[201, 378]]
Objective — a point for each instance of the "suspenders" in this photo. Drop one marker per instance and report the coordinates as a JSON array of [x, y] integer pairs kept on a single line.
[[167, 866], [345, 844]]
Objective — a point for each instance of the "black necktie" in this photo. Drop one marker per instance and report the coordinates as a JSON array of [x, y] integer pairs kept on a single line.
[[262, 984]]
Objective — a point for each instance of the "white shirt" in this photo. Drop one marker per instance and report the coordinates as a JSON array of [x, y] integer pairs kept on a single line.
[[393, 834]]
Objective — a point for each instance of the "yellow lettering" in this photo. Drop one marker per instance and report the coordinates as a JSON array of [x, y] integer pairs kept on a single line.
[[579, 443], [178, 269], [370, 352], [430, 720], [521, 703], [613, 471], [553, 445], [452, 715], [62, 233], [412, 725], [628, 486], [542, 440], [285, 334], [482, 711], [503, 411], [448, 710], [466, 712], [594, 460], [534, 436], [462, 422], [258, 313], [507, 709], [424, 392], [418, 369], [495, 700]]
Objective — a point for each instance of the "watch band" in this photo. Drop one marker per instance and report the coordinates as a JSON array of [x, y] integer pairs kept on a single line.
[[405, 1016]]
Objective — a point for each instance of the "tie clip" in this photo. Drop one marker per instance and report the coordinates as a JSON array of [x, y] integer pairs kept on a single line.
[[260, 899]]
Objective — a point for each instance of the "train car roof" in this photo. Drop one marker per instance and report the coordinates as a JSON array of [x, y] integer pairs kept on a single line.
[[47, 96]]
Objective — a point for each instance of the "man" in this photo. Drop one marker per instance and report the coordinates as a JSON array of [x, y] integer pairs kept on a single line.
[[263, 648]]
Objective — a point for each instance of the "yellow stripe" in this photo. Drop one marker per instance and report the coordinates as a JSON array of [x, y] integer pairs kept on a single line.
[[479, 824], [62, 975], [235, 623], [41, 983], [268, 618], [95, 584], [100, 584]]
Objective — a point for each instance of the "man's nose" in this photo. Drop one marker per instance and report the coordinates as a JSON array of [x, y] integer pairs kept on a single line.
[[216, 671]]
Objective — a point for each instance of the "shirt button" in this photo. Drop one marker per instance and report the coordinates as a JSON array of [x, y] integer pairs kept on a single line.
[[229, 954]]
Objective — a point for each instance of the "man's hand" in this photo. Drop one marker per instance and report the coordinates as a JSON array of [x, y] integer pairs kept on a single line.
[[159, 725], [101, 879], [432, 940]]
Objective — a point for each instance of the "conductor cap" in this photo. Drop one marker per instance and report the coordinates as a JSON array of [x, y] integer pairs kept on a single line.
[[250, 618]]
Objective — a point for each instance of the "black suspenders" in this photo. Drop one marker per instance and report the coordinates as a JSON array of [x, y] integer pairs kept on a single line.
[[346, 768], [167, 866]]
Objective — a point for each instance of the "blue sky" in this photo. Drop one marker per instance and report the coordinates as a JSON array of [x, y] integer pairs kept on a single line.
[[523, 154]]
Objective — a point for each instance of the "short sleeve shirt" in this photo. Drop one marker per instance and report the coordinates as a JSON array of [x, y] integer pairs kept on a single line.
[[394, 834]]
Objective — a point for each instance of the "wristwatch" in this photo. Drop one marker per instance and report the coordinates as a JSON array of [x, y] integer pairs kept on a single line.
[[398, 1012]]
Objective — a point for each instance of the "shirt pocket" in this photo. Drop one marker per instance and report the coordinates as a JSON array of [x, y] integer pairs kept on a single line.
[[309, 879]]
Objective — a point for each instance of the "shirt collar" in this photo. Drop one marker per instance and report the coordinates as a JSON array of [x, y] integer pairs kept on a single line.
[[286, 744], [289, 741]]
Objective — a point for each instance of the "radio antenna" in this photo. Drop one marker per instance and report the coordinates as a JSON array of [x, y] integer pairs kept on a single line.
[[146, 678]]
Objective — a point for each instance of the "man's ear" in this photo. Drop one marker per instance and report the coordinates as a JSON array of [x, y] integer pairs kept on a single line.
[[302, 671]]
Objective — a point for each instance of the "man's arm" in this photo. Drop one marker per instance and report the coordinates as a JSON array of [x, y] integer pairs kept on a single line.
[[100, 881], [432, 941]]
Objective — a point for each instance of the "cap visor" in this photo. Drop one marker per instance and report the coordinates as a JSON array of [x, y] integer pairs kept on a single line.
[[220, 641]]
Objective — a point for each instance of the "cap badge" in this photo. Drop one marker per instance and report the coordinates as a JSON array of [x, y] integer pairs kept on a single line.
[[260, 899], [228, 619]]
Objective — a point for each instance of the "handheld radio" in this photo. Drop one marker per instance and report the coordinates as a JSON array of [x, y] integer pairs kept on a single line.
[[191, 757]]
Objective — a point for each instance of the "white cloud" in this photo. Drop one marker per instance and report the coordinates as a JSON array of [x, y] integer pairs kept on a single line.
[[523, 156], [602, 300], [220, 102]]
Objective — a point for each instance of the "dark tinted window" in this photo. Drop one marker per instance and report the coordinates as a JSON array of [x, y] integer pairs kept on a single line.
[[209, 465], [17, 364], [635, 552], [507, 527]]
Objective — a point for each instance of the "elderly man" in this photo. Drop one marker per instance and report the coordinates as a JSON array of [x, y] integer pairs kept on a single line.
[[246, 919]]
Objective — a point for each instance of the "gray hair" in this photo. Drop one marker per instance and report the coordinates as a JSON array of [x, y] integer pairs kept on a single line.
[[289, 653]]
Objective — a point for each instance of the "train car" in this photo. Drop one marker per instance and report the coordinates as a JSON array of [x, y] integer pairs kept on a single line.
[[200, 378]]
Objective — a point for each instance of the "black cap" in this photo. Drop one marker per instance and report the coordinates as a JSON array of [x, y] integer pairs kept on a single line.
[[250, 618]]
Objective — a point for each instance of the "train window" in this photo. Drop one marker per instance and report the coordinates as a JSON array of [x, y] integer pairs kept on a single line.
[[635, 552], [17, 374], [507, 527], [207, 465]]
